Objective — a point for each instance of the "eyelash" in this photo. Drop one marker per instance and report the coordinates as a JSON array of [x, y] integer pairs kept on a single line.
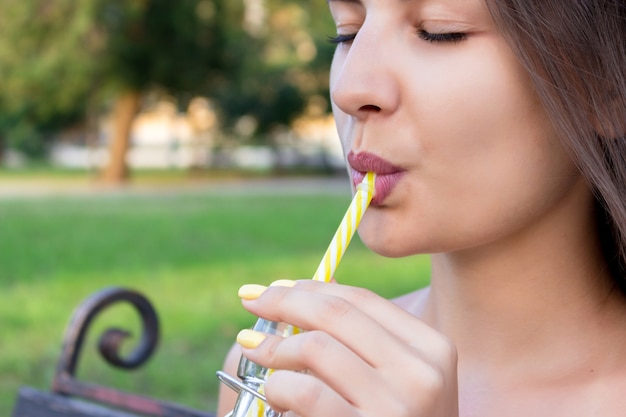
[[451, 37], [341, 38]]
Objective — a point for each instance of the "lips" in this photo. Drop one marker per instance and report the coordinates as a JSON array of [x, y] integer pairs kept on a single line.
[[387, 174]]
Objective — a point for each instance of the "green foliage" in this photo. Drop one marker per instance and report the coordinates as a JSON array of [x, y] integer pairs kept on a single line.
[[187, 252], [179, 46], [46, 66], [283, 67]]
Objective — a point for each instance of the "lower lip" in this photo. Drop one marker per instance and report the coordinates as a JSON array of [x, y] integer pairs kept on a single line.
[[384, 183]]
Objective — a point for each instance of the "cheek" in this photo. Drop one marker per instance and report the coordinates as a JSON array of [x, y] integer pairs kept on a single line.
[[490, 163], [475, 84], [483, 121]]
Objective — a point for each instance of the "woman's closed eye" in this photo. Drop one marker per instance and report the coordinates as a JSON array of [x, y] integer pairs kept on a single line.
[[444, 37], [448, 37], [342, 38]]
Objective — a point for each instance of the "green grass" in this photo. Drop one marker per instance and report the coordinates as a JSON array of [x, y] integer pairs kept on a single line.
[[187, 253]]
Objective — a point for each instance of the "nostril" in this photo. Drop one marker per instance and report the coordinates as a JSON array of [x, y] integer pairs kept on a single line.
[[370, 107]]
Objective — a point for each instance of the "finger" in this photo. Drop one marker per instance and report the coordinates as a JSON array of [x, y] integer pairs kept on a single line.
[[306, 396], [333, 315], [320, 355], [421, 377], [390, 316], [424, 361], [424, 339], [321, 306]]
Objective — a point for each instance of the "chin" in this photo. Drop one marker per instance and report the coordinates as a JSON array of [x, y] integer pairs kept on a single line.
[[389, 248]]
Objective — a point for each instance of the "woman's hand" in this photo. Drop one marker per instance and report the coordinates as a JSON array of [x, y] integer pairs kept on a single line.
[[361, 354]]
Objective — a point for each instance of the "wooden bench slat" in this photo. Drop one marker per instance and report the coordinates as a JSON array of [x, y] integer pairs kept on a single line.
[[34, 403]]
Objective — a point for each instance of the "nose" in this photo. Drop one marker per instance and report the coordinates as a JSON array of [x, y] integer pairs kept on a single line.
[[362, 79]]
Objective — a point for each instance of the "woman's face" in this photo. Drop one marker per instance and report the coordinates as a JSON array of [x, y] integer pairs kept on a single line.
[[428, 94]]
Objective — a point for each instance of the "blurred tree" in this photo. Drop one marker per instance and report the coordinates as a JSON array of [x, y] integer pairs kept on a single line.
[[46, 69], [57, 56], [261, 78], [287, 74], [180, 47]]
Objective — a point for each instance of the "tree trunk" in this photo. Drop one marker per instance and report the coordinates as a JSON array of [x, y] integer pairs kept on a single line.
[[124, 112]]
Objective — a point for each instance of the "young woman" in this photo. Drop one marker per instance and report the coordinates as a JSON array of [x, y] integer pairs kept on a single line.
[[497, 130]]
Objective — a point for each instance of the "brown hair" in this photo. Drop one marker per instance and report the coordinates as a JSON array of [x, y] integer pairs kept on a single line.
[[575, 53]]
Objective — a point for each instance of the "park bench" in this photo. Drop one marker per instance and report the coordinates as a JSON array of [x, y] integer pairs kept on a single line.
[[69, 397]]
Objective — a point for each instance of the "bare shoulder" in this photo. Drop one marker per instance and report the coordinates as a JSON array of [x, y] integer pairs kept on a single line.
[[413, 302]]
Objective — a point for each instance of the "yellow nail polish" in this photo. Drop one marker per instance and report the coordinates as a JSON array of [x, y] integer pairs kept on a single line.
[[283, 283], [251, 291], [250, 338]]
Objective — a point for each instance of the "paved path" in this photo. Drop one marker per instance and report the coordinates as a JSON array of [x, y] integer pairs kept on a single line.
[[273, 186]]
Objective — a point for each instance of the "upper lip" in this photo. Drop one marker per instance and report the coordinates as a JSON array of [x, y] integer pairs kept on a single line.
[[369, 162]]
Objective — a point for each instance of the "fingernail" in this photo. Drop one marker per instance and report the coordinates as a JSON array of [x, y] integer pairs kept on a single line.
[[283, 283], [251, 291], [250, 338]]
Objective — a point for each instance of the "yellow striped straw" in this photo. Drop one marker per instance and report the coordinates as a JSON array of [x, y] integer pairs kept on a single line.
[[338, 245]]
